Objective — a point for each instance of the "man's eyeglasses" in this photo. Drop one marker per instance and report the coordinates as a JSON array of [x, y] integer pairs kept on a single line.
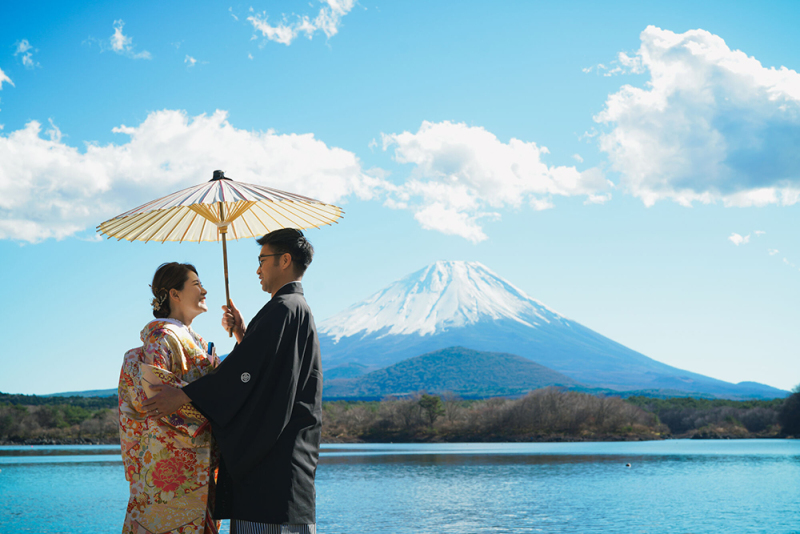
[[263, 256]]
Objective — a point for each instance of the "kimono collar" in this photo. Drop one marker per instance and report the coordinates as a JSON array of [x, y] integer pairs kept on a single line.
[[291, 287]]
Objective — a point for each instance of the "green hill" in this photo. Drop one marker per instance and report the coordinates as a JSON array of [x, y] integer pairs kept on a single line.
[[464, 372], [348, 370]]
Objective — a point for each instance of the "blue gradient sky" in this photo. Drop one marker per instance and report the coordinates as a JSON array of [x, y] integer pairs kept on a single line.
[[428, 121]]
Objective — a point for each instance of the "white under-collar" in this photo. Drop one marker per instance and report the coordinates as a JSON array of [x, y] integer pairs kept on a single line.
[[172, 321]]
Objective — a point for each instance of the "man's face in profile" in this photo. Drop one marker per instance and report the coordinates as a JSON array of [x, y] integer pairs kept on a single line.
[[268, 268]]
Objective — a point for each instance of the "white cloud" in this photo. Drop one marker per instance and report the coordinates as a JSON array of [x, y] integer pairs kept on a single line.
[[578, 158], [463, 173], [22, 47], [711, 124], [119, 41], [327, 21], [190, 61], [51, 190], [759, 233], [624, 64], [230, 10], [597, 199], [772, 251], [26, 56], [123, 44], [737, 240], [4, 78]]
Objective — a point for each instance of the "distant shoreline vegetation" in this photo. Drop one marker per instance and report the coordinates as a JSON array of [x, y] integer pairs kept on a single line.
[[546, 414]]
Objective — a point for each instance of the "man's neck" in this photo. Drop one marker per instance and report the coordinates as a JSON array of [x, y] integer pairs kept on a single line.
[[284, 285]]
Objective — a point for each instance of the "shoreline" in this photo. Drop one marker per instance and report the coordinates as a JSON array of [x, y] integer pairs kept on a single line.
[[338, 441]]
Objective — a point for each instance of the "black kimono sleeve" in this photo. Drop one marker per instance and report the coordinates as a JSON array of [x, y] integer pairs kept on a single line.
[[249, 399]]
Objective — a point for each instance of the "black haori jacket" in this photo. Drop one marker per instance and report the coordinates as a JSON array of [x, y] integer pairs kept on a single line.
[[264, 403]]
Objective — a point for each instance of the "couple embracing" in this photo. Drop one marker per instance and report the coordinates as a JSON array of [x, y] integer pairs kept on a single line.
[[204, 440]]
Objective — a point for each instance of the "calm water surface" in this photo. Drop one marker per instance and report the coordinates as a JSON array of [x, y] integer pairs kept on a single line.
[[680, 486]]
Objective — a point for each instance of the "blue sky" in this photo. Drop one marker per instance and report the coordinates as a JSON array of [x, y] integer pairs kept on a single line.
[[634, 167]]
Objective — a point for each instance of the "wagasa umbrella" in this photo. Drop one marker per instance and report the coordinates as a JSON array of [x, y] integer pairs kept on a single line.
[[218, 210]]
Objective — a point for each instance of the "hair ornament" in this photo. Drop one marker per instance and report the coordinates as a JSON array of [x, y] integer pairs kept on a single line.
[[157, 302]]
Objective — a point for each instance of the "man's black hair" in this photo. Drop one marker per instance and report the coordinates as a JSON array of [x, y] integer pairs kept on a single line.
[[293, 241]]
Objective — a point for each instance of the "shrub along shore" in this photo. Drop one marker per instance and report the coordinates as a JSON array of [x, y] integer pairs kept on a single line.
[[547, 414]]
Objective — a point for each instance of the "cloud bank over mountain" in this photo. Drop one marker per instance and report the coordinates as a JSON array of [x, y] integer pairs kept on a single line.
[[711, 124]]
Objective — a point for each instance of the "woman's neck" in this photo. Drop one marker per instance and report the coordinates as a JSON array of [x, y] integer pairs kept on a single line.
[[184, 319]]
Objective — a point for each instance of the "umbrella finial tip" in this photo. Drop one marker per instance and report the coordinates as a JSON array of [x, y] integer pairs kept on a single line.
[[218, 175]]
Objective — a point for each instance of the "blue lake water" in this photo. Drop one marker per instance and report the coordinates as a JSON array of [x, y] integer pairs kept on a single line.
[[677, 486]]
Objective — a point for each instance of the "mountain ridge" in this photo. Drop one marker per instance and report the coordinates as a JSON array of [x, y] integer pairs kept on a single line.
[[455, 370], [466, 304]]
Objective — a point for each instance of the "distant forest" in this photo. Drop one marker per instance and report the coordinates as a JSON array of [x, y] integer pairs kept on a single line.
[[547, 414]]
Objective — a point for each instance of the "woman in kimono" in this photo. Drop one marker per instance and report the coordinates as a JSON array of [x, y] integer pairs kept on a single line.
[[170, 461]]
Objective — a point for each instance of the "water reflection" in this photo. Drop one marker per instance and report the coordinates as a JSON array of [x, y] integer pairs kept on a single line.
[[671, 487]]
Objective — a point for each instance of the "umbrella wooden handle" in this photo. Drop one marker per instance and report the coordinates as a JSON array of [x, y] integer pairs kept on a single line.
[[224, 231]]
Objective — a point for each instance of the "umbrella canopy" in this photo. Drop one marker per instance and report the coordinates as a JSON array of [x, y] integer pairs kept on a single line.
[[216, 209], [209, 211]]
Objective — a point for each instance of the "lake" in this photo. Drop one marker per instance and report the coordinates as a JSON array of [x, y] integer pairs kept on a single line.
[[674, 486]]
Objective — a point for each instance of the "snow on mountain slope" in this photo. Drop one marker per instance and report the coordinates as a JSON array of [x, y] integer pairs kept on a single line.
[[457, 303], [446, 294]]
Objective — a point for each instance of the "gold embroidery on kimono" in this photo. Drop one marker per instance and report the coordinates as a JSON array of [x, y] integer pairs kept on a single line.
[[170, 462]]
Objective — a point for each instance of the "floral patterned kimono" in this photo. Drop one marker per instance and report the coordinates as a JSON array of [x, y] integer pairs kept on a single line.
[[170, 462]]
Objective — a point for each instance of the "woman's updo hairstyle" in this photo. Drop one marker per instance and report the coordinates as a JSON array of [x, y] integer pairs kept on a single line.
[[168, 276]]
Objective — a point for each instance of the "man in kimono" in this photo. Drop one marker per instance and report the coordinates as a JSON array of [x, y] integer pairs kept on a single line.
[[264, 401]]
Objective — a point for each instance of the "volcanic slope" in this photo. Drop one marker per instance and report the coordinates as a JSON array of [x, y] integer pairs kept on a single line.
[[456, 370], [457, 303]]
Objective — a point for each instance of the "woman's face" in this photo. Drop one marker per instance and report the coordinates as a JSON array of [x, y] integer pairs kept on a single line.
[[190, 301]]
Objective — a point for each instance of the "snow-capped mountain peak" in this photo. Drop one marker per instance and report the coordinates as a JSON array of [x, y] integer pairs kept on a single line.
[[443, 295]]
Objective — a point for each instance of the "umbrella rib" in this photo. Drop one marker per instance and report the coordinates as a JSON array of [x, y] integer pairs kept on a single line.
[[202, 229], [120, 224], [231, 225], [279, 192], [136, 222], [167, 221], [255, 214], [206, 212], [188, 228], [242, 207], [160, 216], [284, 206], [268, 214], [313, 211], [238, 191], [209, 191], [247, 225], [182, 214]]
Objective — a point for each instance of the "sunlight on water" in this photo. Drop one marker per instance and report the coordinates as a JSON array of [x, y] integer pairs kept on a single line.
[[671, 487]]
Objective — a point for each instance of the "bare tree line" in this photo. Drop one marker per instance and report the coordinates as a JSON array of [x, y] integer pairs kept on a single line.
[[543, 413], [57, 423]]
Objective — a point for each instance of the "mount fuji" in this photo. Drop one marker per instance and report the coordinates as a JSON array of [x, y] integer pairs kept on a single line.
[[457, 303]]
